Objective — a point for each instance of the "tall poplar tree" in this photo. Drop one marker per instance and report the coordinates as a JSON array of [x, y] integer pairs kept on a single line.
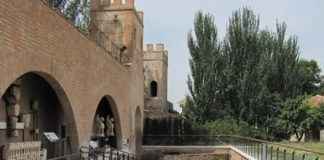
[[246, 76], [205, 52]]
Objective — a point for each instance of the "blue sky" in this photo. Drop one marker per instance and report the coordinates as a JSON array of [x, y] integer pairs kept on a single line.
[[169, 21]]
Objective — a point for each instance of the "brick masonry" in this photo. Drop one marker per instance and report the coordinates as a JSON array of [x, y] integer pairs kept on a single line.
[[34, 38], [156, 70]]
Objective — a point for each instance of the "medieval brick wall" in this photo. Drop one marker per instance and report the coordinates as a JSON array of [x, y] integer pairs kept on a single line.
[[34, 38]]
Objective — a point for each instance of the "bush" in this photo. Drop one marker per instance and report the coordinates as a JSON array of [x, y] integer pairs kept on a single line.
[[229, 127]]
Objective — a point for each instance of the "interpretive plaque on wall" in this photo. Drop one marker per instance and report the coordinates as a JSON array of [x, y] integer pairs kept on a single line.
[[3, 125], [51, 136]]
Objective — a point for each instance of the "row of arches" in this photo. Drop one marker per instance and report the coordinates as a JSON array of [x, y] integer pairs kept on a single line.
[[39, 102]]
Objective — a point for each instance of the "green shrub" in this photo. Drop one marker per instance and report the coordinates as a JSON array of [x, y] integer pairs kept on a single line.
[[229, 127]]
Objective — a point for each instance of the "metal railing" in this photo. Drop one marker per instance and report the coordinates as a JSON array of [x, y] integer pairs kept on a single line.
[[74, 156], [106, 43], [258, 149], [88, 153], [266, 151], [97, 36]]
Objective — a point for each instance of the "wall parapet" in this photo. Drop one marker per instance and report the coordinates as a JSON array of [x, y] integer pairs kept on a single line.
[[150, 47], [227, 151], [153, 52], [102, 40]]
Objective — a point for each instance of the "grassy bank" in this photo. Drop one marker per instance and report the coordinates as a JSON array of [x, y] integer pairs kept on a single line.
[[313, 146]]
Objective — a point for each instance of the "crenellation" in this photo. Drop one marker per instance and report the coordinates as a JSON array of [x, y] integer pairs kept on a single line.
[[129, 3], [159, 47], [149, 47]]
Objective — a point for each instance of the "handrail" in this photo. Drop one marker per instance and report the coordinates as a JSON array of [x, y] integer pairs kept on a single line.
[[243, 138], [65, 156], [279, 144], [101, 39], [106, 152]]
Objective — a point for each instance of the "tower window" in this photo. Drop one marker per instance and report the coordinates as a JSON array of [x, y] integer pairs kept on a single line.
[[153, 88]]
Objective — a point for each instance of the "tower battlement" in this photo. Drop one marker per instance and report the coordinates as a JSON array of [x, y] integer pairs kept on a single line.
[[154, 47], [121, 2], [113, 4], [156, 52]]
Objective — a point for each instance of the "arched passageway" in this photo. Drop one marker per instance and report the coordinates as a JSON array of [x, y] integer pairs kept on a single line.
[[106, 124], [154, 89], [33, 105]]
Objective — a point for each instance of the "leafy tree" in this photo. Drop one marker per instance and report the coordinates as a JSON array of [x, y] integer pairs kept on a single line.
[[72, 10], [310, 76], [298, 117], [293, 117], [188, 110], [247, 67], [321, 88], [314, 119], [229, 126], [246, 76], [57, 3], [78, 12], [205, 52]]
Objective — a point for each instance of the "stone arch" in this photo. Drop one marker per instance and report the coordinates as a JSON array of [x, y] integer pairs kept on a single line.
[[154, 89], [107, 106], [61, 104], [138, 130]]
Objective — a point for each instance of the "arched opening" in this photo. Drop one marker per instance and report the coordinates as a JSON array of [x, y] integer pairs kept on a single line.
[[154, 88], [106, 124], [138, 131], [33, 105]]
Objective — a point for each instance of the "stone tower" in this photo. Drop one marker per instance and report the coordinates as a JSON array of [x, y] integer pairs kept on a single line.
[[118, 28], [118, 21], [156, 78]]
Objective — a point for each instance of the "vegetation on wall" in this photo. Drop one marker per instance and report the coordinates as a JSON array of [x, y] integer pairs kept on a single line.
[[248, 76], [77, 11]]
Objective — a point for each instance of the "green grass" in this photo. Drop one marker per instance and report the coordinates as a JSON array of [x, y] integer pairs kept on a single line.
[[313, 146], [317, 147]]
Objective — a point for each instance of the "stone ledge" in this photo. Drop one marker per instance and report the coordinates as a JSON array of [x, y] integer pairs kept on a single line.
[[234, 153]]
